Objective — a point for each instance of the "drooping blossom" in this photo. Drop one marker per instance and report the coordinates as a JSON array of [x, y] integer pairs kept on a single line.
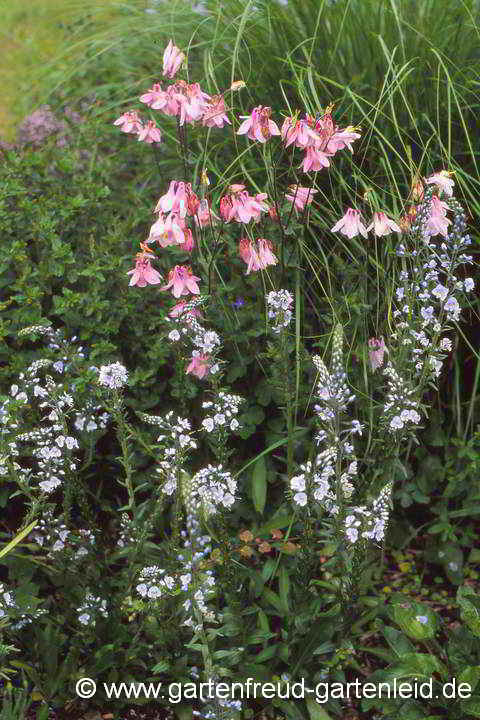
[[442, 179], [129, 122], [214, 114], [438, 222], [143, 274], [168, 231], [298, 131], [315, 159], [191, 101], [172, 59], [382, 225], [150, 133], [199, 365], [204, 216], [240, 206], [179, 198], [376, 351], [257, 125], [342, 139], [300, 196], [154, 95], [350, 224], [256, 256], [189, 243], [182, 280]]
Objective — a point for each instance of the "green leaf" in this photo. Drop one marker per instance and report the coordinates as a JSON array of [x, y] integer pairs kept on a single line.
[[415, 620], [274, 600], [315, 710], [259, 484], [470, 675], [469, 608], [18, 538], [284, 588]]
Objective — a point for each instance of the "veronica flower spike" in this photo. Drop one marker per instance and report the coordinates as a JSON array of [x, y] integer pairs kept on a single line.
[[350, 224]]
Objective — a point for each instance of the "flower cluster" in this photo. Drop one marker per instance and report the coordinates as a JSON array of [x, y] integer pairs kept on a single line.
[[369, 523], [21, 613], [154, 583], [222, 413], [279, 309], [113, 376], [206, 342], [210, 488], [177, 443], [90, 609], [53, 536]]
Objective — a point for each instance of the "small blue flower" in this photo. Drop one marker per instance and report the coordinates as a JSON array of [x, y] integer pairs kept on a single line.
[[239, 302]]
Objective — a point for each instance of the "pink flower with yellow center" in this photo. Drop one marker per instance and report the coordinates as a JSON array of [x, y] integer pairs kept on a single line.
[[240, 206], [143, 274], [350, 224], [182, 280], [300, 196], [382, 225], [256, 257], [342, 139], [154, 95], [129, 122], [376, 351], [298, 132], [257, 125], [172, 59], [192, 101], [199, 365], [315, 160]]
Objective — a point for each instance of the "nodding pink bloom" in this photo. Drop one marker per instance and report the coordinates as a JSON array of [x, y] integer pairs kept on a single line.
[[178, 310], [143, 274], [182, 280], [172, 59], [300, 196], [191, 101], [240, 206], [150, 133], [199, 365], [442, 179], [342, 139], [154, 95], [299, 132], [315, 160], [204, 215], [129, 122], [323, 126], [214, 114], [189, 242], [438, 222], [178, 199], [256, 259], [257, 125], [168, 231], [350, 224], [382, 224], [376, 351]]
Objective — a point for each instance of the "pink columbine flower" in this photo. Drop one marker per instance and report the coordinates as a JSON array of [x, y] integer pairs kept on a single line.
[[376, 351], [442, 179], [342, 139], [240, 206], [315, 160], [129, 122], [214, 114], [300, 196], [143, 274], [257, 125], [178, 310], [204, 215], [199, 365], [383, 225], [299, 132], [154, 95], [189, 243], [350, 224], [172, 59], [191, 101], [150, 133], [182, 280], [438, 222], [168, 231], [256, 258], [176, 199]]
